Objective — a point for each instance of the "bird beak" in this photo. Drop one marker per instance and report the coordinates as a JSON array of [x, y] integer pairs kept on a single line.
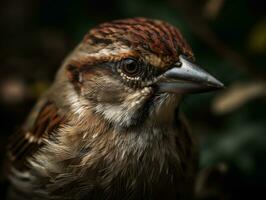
[[187, 77]]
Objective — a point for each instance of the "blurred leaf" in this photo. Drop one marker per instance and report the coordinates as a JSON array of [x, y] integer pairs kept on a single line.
[[237, 147], [257, 38], [39, 88]]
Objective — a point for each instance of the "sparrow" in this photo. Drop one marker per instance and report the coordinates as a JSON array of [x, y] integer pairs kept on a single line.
[[109, 126]]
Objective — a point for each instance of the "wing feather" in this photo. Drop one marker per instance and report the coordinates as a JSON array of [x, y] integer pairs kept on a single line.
[[27, 141]]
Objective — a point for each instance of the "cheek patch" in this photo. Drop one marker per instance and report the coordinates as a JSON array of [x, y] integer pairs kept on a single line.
[[104, 90], [110, 94]]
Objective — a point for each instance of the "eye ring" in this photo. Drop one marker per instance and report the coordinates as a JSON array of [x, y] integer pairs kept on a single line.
[[131, 67]]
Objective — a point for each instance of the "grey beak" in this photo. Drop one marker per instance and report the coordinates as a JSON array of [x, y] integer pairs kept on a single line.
[[188, 78]]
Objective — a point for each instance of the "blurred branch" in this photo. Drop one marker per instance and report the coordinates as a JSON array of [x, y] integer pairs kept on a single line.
[[237, 95], [192, 11]]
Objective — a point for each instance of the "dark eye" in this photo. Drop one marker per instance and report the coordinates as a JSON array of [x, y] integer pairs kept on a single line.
[[131, 67]]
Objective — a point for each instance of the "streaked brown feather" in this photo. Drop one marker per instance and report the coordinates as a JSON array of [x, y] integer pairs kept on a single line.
[[26, 142]]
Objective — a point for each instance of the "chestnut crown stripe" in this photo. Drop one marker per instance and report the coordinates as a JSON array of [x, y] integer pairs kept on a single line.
[[144, 35], [154, 42]]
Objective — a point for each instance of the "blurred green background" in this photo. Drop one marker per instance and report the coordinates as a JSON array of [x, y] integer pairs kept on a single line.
[[228, 39]]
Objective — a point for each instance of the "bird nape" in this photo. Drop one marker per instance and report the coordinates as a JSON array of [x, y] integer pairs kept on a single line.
[[108, 127]]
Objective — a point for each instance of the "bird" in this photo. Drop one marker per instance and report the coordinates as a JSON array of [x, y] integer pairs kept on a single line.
[[110, 126]]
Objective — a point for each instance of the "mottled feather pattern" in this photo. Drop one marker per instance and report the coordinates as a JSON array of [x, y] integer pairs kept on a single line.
[[101, 148]]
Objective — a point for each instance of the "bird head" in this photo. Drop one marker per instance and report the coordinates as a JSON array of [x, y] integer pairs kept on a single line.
[[134, 70]]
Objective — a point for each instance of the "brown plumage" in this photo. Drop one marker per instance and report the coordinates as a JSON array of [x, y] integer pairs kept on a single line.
[[109, 126]]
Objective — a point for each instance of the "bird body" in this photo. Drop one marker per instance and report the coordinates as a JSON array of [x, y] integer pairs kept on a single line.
[[109, 126]]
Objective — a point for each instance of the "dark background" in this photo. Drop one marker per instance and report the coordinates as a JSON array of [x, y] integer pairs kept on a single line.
[[228, 39]]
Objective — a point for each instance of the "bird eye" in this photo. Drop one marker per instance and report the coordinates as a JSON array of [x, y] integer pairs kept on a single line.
[[131, 67]]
